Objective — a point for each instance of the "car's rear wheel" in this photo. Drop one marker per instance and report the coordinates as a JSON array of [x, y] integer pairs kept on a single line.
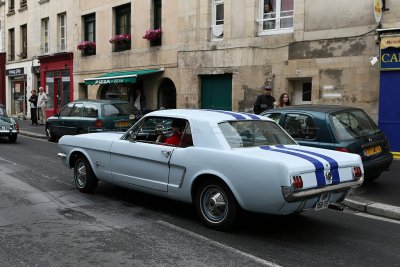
[[84, 177], [215, 204], [12, 138], [50, 135]]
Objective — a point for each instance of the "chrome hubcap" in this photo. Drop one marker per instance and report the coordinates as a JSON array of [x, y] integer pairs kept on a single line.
[[214, 204], [80, 174]]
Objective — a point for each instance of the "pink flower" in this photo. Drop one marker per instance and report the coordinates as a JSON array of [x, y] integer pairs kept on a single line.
[[152, 35], [86, 45], [121, 38]]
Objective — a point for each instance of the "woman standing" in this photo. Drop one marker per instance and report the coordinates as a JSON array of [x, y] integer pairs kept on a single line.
[[33, 99], [283, 101]]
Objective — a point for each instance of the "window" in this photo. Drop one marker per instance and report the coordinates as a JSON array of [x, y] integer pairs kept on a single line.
[[11, 44], [66, 110], [306, 95], [217, 24], [11, 6], [90, 27], [24, 40], [90, 111], [77, 111], [156, 20], [45, 36], [300, 126], [123, 26], [23, 4], [62, 22], [276, 16]]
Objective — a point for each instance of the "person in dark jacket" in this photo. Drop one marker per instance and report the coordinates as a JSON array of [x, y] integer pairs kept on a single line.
[[33, 99], [264, 101]]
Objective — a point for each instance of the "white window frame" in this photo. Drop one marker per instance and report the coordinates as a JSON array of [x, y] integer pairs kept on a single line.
[[45, 36], [277, 29], [214, 27], [62, 21]]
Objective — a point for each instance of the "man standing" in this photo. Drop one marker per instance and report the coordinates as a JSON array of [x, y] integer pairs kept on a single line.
[[264, 101], [42, 104], [33, 99]]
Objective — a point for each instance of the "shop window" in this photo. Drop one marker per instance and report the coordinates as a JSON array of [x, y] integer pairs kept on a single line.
[[276, 16], [11, 44], [45, 36], [62, 31], [217, 23], [122, 28]]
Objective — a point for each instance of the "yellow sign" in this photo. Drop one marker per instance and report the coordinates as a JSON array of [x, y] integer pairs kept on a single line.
[[378, 10], [392, 41]]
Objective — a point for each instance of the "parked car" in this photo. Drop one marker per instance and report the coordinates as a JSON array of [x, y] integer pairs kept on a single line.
[[8, 126], [338, 128], [86, 116], [224, 161]]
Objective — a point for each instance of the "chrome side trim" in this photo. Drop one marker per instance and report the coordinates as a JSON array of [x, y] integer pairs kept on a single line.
[[301, 195], [61, 155]]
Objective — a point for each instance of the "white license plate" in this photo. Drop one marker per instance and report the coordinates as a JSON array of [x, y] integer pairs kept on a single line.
[[323, 201]]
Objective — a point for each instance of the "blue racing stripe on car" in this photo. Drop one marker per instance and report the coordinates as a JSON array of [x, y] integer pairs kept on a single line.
[[235, 115], [254, 117], [319, 167], [333, 163]]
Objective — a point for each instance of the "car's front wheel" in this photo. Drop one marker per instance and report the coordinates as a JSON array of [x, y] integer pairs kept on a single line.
[[84, 177], [50, 135], [215, 205]]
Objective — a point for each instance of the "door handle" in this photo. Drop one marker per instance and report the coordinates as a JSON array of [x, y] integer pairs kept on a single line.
[[166, 153]]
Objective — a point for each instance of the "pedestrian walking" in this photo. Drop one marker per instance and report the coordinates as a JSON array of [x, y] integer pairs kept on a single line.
[[42, 104], [33, 100], [139, 100], [264, 101]]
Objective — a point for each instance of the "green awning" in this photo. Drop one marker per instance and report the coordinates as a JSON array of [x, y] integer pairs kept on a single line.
[[120, 76]]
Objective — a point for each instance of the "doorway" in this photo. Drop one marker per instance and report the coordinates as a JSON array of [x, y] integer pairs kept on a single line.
[[302, 92], [216, 92], [166, 95]]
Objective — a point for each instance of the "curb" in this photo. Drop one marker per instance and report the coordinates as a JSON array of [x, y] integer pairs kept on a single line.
[[373, 208], [30, 134]]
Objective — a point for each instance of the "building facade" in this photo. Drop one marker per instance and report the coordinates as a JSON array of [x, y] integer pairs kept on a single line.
[[208, 54]]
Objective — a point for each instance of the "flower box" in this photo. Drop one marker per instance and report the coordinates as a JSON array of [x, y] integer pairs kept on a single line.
[[121, 42], [87, 47], [154, 36]]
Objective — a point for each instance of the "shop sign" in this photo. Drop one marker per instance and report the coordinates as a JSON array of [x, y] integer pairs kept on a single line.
[[66, 79], [390, 53], [17, 71], [109, 81], [36, 69]]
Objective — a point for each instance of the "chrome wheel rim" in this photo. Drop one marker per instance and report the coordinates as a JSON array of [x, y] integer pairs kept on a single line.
[[214, 204], [80, 174], [48, 132]]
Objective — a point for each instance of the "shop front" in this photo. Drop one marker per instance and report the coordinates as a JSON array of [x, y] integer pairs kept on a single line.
[[56, 76], [389, 95], [17, 82]]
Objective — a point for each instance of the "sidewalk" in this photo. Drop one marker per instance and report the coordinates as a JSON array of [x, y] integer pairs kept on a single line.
[[376, 198]]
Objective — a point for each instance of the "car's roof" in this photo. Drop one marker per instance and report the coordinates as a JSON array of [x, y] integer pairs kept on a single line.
[[207, 114], [316, 108]]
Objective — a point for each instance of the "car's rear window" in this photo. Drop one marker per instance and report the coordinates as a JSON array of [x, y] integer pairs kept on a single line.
[[352, 124], [118, 109], [254, 133]]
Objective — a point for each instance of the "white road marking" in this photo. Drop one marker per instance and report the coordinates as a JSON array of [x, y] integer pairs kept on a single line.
[[218, 244], [36, 138]]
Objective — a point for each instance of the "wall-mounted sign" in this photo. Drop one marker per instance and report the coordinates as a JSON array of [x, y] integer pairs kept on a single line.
[[17, 71], [36, 69], [378, 10], [390, 53]]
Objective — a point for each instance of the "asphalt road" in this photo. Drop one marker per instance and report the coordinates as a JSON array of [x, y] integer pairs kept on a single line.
[[45, 221]]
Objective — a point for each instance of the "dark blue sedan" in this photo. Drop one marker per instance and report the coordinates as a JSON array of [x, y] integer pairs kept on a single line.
[[338, 128]]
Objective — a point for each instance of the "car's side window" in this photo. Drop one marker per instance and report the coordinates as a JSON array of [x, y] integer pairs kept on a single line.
[[163, 131], [90, 111], [300, 126], [76, 111], [66, 110], [274, 116]]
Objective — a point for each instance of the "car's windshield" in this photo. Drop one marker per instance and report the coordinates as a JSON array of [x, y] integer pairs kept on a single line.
[[119, 109], [254, 133], [352, 124]]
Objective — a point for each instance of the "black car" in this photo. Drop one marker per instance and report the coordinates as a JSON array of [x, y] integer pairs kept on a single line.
[[339, 128], [87, 116], [8, 126]]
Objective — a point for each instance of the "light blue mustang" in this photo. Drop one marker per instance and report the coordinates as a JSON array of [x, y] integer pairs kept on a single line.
[[220, 161]]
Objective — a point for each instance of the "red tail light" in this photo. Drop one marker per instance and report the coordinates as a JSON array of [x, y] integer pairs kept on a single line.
[[342, 149], [297, 182], [357, 173], [17, 127], [99, 124]]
